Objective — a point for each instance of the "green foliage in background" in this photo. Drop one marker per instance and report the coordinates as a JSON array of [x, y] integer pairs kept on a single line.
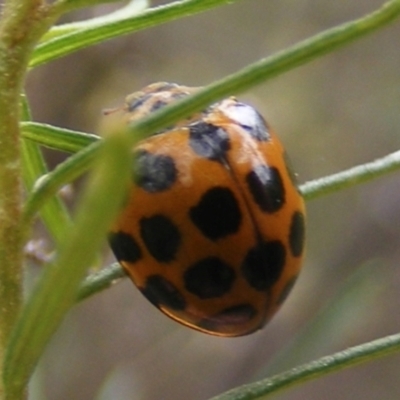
[[28, 38]]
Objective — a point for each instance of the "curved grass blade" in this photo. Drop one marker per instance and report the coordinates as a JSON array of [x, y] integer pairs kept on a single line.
[[100, 280], [131, 9], [54, 214], [57, 138], [315, 369], [103, 30]]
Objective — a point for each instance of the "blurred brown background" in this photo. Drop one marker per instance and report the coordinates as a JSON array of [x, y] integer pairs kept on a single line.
[[336, 112]]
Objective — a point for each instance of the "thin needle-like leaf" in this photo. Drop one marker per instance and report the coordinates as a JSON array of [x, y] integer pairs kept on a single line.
[[57, 138], [113, 27], [54, 214], [315, 369]]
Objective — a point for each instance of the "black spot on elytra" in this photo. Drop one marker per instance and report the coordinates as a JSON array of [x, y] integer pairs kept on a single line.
[[286, 290], [124, 246], [161, 292], [154, 172], [236, 315], [266, 186], [161, 237], [263, 264], [297, 234], [209, 278], [217, 214], [250, 120], [209, 141]]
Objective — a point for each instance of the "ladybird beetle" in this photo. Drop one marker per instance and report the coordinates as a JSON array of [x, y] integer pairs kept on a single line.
[[212, 232]]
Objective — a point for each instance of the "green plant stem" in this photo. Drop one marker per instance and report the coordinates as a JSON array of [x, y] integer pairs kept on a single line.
[[315, 369], [132, 8], [57, 138], [66, 172], [54, 214], [98, 33], [351, 177], [22, 24], [100, 280], [13, 61]]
